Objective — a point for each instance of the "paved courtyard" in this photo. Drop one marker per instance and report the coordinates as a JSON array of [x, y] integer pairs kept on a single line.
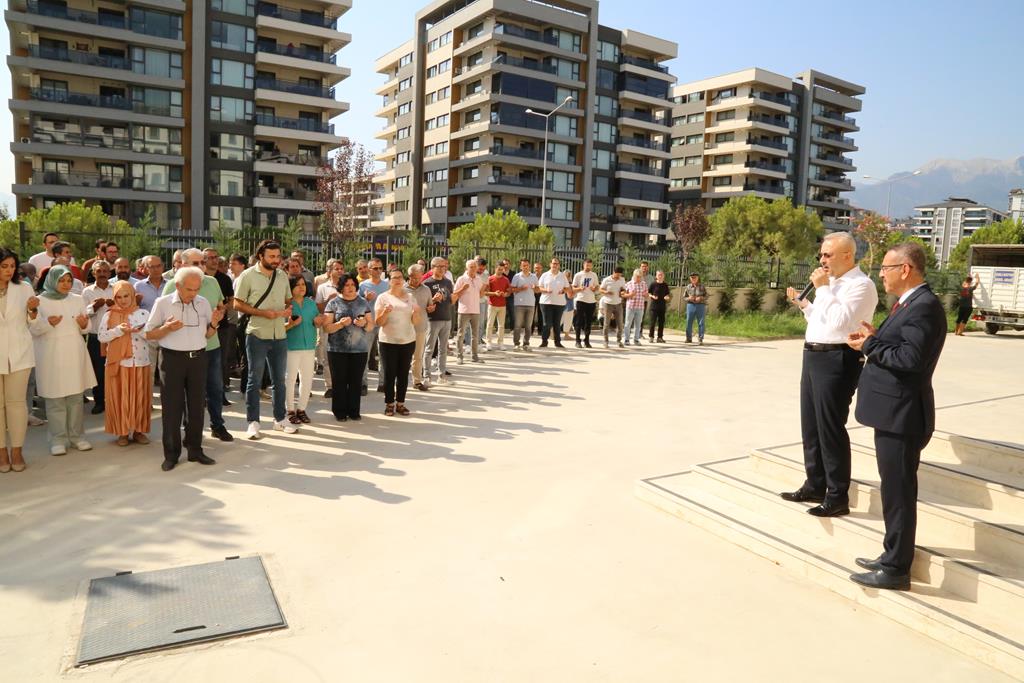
[[491, 536]]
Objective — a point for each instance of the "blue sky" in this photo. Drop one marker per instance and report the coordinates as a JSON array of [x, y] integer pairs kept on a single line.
[[943, 78]]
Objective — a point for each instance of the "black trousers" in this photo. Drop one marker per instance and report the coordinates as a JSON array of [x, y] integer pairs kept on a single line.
[[538, 314], [552, 321], [182, 393], [827, 383], [898, 457], [346, 382], [227, 332], [658, 320], [99, 364], [397, 359], [584, 319]]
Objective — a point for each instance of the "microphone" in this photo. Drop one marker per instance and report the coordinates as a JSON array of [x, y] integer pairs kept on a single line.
[[807, 290]]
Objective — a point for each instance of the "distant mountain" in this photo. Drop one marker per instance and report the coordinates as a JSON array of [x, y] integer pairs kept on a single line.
[[986, 181]]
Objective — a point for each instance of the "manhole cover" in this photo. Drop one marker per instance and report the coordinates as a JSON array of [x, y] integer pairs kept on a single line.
[[132, 613]]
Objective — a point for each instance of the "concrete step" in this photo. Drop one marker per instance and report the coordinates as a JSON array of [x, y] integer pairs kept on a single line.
[[989, 455], [994, 639], [971, 534], [996, 588]]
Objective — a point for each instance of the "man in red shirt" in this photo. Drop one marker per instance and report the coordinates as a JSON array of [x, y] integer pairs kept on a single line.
[[499, 288]]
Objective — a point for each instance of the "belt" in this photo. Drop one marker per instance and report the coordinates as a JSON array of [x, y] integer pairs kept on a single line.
[[187, 354], [815, 346]]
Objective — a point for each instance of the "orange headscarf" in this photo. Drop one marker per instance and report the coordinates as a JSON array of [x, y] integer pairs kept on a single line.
[[121, 347]]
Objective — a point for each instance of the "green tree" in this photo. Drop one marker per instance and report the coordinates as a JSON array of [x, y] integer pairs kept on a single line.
[[142, 239], [873, 229], [76, 223], [748, 226], [507, 234], [1003, 232], [929, 253], [414, 248]]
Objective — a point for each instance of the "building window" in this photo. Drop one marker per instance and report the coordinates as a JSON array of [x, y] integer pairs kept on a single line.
[[404, 108], [694, 139], [245, 8], [156, 177], [605, 78], [475, 31], [230, 146], [156, 101], [725, 115], [725, 137], [402, 157], [470, 172], [406, 59], [606, 106], [401, 181], [156, 140], [156, 62], [692, 161], [231, 73], [230, 109], [470, 201], [691, 182], [722, 181], [403, 133], [404, 84], [608, 52], [227, 183], [232, 37], [559, 181], [605, 132], [604, 159], [695, 118], [560, 210], [435, 202], [230, 216], [471, 145], [473, 116]]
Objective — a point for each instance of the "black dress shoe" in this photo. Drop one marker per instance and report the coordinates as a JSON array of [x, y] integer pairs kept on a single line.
[[357, 418], [225, 402], [168, 465], [803, 496], [342, 418], [202, 459], [883, 580], [825, 510], [222, 434], [98, 408], [871, 565]]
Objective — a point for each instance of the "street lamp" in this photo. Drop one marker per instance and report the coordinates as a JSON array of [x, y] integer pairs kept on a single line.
[[544, 166], [888, 196]]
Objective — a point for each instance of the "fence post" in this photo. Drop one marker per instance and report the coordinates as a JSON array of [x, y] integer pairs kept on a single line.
[[23, 237]]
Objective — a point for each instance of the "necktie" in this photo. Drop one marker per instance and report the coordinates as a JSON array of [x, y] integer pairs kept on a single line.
[[894, 307]]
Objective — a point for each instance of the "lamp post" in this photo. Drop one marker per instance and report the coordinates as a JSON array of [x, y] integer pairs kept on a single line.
[[544, 165], [888, 196]]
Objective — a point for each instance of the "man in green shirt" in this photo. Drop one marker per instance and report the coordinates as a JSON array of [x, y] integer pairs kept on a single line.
[[262, 293], [210, 290]]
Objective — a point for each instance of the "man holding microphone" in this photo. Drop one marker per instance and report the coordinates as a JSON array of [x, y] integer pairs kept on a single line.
[[844, 296]]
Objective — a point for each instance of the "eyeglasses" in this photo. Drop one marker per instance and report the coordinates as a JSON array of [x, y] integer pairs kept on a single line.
[[823, 254], [184, 317], [892, 265]]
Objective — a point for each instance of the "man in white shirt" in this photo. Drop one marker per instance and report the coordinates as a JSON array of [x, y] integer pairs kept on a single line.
[[584, 284], [524, 284], [553, 286], [44, 259], [325, 291], [611, 300], [843, 297], [97, 298], [468, 291]]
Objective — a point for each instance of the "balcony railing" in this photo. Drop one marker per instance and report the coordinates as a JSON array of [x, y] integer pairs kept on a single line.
[[642, 222], [765, 166], [659, 91], [80, 98], [296, 193], [829, 178], [80, 179], [771, 97], [60, 137], [836, 137], [763, 187], [295, 87], [765, 142], [79, 57], [526, 33], [514, 181], [643, 116], [836, 116], [768, 120], [529, 212], [526, 64], [837, 158], [517, 152], [643, 63], [830, 199], [641, 142], [310, 125], [297, 159], [298, 52], [300, 16], [46, 9], [639, 168]]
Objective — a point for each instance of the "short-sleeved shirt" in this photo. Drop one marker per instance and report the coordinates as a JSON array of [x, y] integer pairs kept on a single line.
[[89, 295], [378, 289], [421, 295], [614, 288], [498, 283], [249, 287], [209, 290], [639, 291], [557, 283], [196, 316], [659, 290], [443, 308], [352, 338], [469, 298], [398, 329], [325, 289], [586, 280], [525, 297], [149, 292], [302, 337]]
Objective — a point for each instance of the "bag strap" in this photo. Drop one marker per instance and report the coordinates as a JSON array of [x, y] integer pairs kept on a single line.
[[263, 298]]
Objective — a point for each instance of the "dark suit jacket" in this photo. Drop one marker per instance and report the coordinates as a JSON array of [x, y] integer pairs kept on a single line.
[[895, 391]]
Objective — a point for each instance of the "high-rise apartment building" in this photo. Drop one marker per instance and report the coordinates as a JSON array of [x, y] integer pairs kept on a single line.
[[1017, 204], [514, 104], [761, 133], [944, 224], [208, 111]]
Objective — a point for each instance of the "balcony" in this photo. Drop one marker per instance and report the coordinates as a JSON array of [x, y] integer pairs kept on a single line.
[[301, 16], [658, 92], [836, 137], [515, 181], [528, 34], [765, 142], [80, 179], [639, 168], [281, 192], [106, 20], [836, 159], [641, 142], [79, 57], [309, 125], [642, 63], [763, 187], [524, 153], [768, 120], [782, 99], [81, 99], [637, 222], [298, 52], [643, 116], [531, 64], [765, 166], [836, 116], [833, 179], [291, 159], [295, 88], [78, 139]]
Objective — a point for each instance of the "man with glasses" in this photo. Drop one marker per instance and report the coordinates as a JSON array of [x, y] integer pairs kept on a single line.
[[440, 319], [181, 323], [843, 296], [210, 290], [370, 289], [895, 397]]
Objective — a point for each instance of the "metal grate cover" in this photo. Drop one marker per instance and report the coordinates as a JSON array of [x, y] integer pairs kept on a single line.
[[131, 613]]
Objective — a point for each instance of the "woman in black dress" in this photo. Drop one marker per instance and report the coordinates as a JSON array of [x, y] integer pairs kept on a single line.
[[963, 314]]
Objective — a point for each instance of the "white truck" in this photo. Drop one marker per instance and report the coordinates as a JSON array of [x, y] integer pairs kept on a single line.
[[999, 273]]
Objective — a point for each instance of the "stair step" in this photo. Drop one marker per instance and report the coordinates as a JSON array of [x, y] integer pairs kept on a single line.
[[937, 613], [975, 535], [989, 455], [996, 588]]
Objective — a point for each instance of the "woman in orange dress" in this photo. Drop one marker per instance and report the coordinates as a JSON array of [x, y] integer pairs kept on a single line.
[[129, 391]]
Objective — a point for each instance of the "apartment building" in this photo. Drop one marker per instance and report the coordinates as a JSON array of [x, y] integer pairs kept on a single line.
[[209, 112], [944, 224], [761, 133], [1017, 204], [519, 105]]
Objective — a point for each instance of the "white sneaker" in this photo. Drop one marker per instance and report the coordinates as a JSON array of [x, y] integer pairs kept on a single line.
[[82, 445], [253, 432], [58, 450], [499, 347], [34, 421], [285, 427]]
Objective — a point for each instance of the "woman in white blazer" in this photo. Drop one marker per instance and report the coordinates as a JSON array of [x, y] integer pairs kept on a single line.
[[19, 311], [64, 370]]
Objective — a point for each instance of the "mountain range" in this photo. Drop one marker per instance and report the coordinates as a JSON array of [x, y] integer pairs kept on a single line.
[[986, 181]]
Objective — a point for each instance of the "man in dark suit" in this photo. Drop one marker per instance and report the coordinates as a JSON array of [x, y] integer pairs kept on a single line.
[[895, 397]]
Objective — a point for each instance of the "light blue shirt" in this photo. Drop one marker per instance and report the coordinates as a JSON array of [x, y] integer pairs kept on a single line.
[[525, 297], [149, 292]]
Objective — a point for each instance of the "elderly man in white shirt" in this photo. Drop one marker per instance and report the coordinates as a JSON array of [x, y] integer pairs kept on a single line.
[[843, 297], [97, 298]]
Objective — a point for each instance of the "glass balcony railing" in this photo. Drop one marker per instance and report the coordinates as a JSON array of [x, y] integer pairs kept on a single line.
[[526, 33], [641, 142], [837, 158], [300, 16], [643, 116], [524, 153], [765, 166], [768, 120], [295, 87], [79, 57], [80, 179], [772, 97], [310, 125], [643, 63], [763, 187], [47, 9], [296, 159], [836, 137], [836, 116], [281, 192], [641, 222], [531, 64], [639, 168], [298, 52], [515, 181], [78, 139], [831, 178], [765, 142], [80, 98]]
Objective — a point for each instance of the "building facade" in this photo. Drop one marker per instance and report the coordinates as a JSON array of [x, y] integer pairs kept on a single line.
[[944, 224], [1017, 204], [518, 105], [760, 133], [207, 112]]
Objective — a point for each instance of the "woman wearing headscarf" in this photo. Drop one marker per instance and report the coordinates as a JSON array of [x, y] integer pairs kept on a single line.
[[63, 369], [19, 311], [129, 390]]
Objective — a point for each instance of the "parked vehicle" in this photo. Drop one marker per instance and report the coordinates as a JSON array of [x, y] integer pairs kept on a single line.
[[999, 298]]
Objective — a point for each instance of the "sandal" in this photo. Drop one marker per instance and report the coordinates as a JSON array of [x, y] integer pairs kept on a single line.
[[389, 410], [293, 417], [401, 409], [18, 466], [122, 441], [141, 438], [303, 418]]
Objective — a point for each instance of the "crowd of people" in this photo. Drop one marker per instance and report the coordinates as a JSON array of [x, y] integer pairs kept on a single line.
[[110, 331]]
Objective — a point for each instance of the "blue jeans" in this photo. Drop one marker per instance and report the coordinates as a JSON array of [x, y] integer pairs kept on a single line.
[[634, 324], [274, 353], [215, 388], [695, 311]]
